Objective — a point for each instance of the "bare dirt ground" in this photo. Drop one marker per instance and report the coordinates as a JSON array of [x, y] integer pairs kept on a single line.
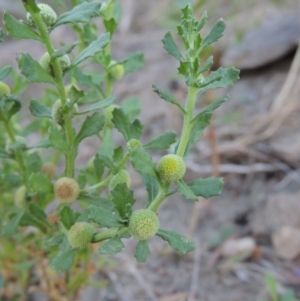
[[257, 150]]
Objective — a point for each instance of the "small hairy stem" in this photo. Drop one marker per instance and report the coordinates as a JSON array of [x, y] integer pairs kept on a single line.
[[161, 196], [58, 73], [187, 126], [113, 232]]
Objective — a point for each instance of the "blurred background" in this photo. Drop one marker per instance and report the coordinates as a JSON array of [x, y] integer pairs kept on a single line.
[[247, 239]]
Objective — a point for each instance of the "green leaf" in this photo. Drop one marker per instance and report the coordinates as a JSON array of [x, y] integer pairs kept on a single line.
[[134, 62], [214, 105], [91, 126], [38, 109], [107, 145], [94, 48], [112, 246], [40, 183], [206, 187], [65, 50], [186, 191], [176, 241], [79, 14], [37, 212], [168, 97], [200, 122], [110, 25], [203, 20], [206, 65], [136, 129], [171, 47], [4, 154], [10, 105], [34, 162], [1, 40], [103, 203], [131, 108], [32, 70], [19, 30], [152, 188], [123, 199], [214, 35], [67, 216], [163, 141], [64, 261], [142, 163], [121, 123], [30, 220], [142, 251], [101, 104], [103, 216], [228, 77], [12, 225], [5, 71], [57, 140]]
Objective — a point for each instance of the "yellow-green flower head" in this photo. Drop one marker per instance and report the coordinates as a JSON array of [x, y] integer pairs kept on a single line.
[[80, 235], [121, 177], [45, 62], [133, 144], [66, 189], [20, 140], [20, 197], [171, 168], [47, 13], [4, 89], [109, 115], [116, 71], [56, 114], [143, 224]]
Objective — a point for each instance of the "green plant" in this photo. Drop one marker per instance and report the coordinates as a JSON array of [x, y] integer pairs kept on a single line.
[[65, 237]]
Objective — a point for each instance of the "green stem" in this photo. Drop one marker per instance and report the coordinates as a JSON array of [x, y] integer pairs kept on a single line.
[[187, 126], [58, 77], [113, 232], [161, 196]]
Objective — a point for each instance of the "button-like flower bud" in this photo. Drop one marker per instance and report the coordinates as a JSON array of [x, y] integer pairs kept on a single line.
[[47, 13], [66, 189], [121, 177], [56, 114], [45, 62], [80, 235], [143, 224], [133, 144], [116, 71], [171, 168]]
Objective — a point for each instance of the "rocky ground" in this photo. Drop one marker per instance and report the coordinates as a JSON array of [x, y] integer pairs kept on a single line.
[[253, 228]]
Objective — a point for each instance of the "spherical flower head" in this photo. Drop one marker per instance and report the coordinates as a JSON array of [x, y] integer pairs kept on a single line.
[[171, 168], [133, 144], [121, 177], [108, 114], [20, 197], [4, 89], [80, 235], [66, 189], [143, 224], [45, 62], [64, 61], [56, 114], [47, 13], [19, 140], [116, 71]]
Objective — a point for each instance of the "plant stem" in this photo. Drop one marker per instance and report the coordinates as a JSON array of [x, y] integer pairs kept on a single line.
[[161, 196], [187, 126], [108, 234], [58, 73]]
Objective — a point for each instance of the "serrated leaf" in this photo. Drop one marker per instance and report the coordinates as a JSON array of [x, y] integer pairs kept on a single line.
[[206, 187], [104, 216], [32, 70], [12, 225], [170, 46], [19, 30], [142, 163], [152, 188], [37, 212], [121, 123], [142, 251], [215, 34], [101, 104], [111, 246], [186, 191], [79, 14], [38, 109], [110, 25], [163, 141], [5, 71], [91, 126], [167, 97], [98, 202], [134, 62], [67, 216], [64, 261], [10, 105], [123, 199], [215, 104], [176, 241], [206, 66], [229, 77], [40, 183], [136, 129], [56, 139], [131, 107], [107, 145], [65, 50], [94, 48]]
